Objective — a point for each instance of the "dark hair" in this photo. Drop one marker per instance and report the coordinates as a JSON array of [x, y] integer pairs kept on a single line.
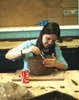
[[49, 28]]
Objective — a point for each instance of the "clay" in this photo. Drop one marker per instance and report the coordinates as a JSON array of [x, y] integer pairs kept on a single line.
[[42, 87], [52, 87], [76, 91], [12, 91], [62, 86], [37, 67]]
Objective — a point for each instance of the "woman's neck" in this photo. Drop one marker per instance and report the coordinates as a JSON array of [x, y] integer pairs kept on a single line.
[[44, 49]]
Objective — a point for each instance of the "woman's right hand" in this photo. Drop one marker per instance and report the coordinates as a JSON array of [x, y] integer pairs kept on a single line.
[[12, 54], [34, 49]]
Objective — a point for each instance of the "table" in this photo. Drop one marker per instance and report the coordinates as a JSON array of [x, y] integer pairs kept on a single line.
[[70, 44], [42, 87]]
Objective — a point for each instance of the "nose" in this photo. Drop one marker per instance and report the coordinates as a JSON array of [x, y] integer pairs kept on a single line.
[[50, 42]]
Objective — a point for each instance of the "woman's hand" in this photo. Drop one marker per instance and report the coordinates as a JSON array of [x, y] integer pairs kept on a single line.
[[50, 62], [34, 49]]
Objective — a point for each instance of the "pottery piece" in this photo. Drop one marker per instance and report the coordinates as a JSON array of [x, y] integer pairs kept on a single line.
[[37, 67]]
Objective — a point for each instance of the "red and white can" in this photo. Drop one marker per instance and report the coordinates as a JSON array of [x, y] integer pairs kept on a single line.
[[25, 75]]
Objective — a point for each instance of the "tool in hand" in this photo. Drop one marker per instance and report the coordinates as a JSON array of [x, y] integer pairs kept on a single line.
[[42, 56]]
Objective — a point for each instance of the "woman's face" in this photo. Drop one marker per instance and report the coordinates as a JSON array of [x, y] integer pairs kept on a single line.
[[48, 40]]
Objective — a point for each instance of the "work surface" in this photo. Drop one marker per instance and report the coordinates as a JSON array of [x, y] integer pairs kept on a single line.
[[68, 44], [42, 87], [55, 75]]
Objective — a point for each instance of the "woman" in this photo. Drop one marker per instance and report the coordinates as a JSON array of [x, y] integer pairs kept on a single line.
[[44, 44]]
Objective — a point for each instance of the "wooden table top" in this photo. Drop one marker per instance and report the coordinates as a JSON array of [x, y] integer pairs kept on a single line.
[[69, 87], [68, 44]]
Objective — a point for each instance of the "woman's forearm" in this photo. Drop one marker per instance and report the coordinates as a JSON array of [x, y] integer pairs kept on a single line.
[[60, 65], [12, 54]]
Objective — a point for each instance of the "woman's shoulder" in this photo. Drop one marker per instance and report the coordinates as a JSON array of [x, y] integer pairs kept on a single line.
[[34, 41], [31, 42], [56, 44], [57, 48]]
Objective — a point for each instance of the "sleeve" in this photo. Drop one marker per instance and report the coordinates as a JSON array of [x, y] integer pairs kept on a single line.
[[24, 45], [59, 55]]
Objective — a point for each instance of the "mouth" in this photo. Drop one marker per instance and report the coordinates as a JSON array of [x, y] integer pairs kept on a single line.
[[46, 46]]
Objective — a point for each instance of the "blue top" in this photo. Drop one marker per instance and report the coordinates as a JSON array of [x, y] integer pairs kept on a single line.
[[29, 43]]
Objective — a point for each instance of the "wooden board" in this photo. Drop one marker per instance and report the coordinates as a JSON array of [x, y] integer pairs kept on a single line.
[[55, 75]]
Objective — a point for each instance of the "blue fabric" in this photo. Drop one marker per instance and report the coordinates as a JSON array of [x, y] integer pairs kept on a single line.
[[29, 43]]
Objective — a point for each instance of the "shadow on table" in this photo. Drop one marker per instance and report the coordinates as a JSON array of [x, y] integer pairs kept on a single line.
[[55, 95]]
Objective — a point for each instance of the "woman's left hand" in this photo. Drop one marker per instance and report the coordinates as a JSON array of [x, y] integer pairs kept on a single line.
[[50, 62]]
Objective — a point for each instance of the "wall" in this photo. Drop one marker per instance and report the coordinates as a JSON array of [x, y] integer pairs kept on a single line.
[[31, 12], [15, 13], [25, 12], [70, 12]]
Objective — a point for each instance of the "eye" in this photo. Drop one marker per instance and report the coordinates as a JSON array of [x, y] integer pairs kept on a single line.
[[49, 38]]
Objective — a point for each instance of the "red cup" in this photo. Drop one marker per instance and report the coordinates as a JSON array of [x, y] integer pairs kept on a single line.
[[25, 76]]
